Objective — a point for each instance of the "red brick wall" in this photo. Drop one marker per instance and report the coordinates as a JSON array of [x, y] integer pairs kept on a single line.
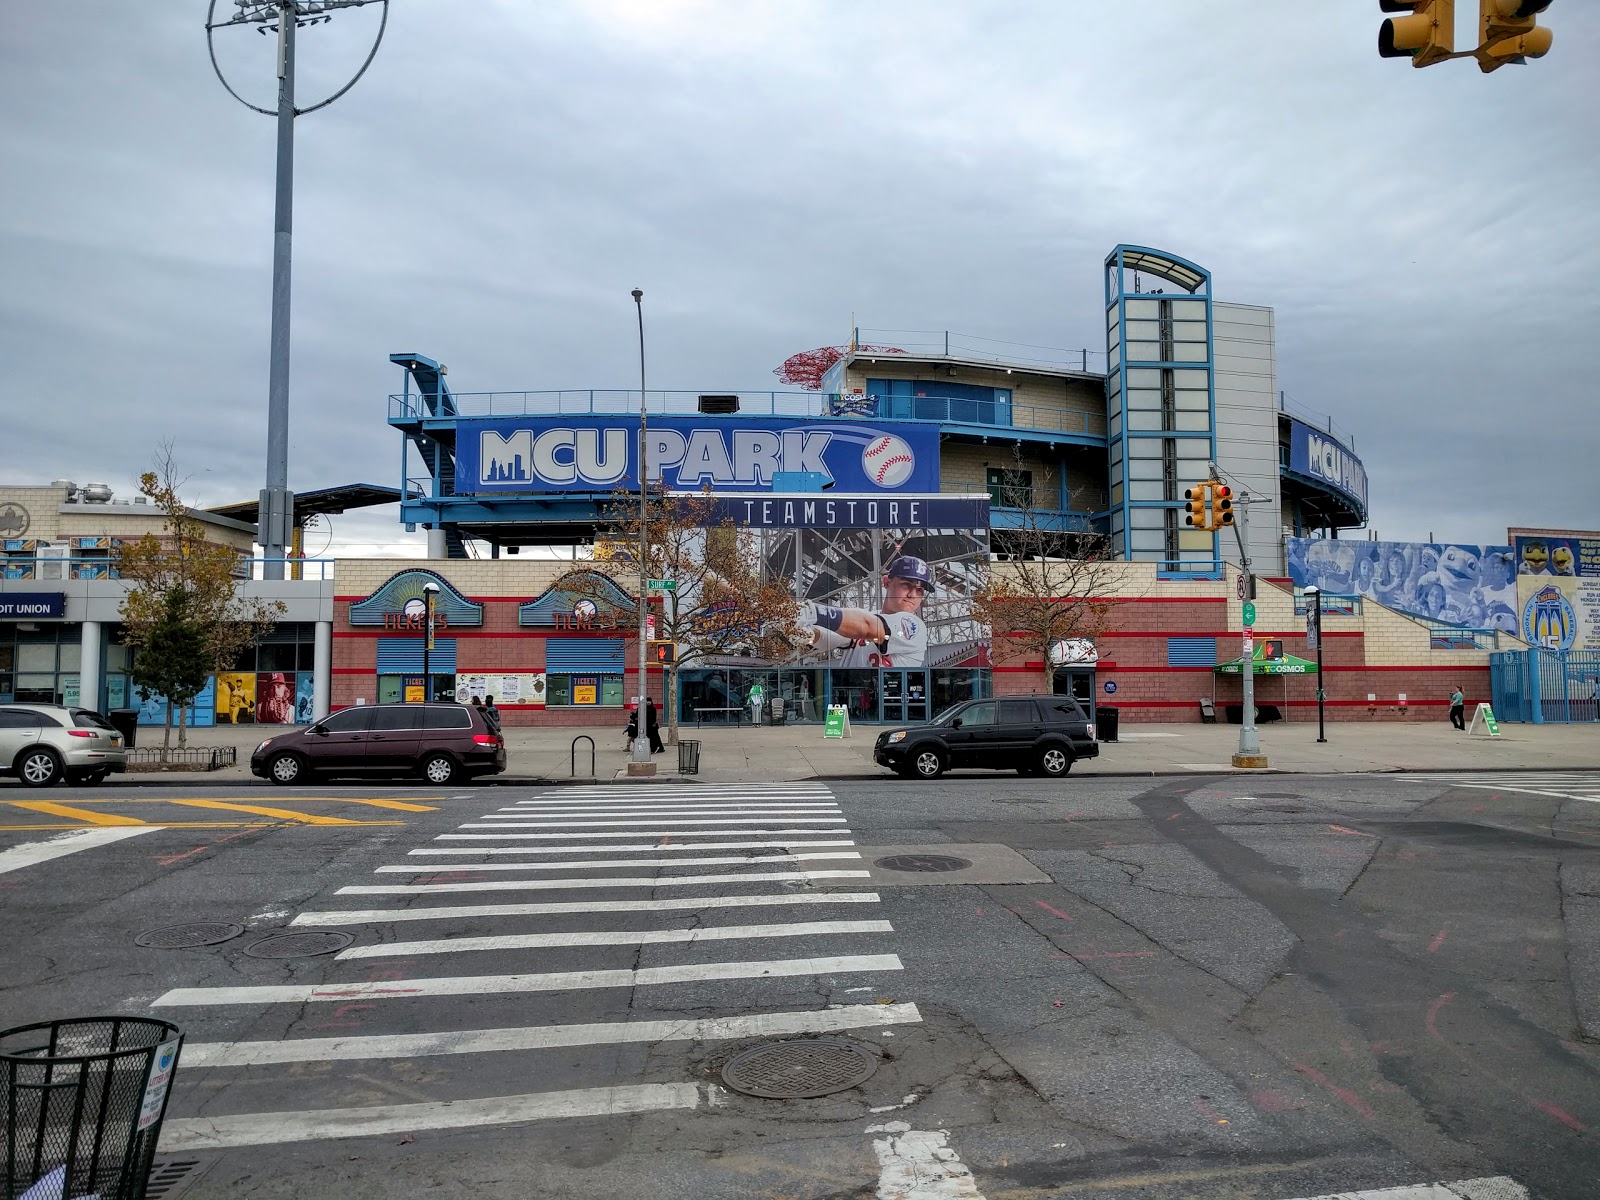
[[1133, 653]]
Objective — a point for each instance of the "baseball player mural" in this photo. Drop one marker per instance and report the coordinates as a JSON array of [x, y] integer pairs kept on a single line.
[[894, 636]]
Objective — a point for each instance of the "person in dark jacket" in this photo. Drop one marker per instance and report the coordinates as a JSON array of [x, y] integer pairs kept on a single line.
[[491, 714], [652, 728]]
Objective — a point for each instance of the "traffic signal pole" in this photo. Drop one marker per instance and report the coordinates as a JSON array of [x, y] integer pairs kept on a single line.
[[1249, 754]]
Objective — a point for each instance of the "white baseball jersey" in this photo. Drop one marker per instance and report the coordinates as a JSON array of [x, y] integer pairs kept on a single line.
[[907, 644]]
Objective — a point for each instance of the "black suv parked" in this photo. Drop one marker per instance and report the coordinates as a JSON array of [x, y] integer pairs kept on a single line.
[[1034, 735], [440, 742]]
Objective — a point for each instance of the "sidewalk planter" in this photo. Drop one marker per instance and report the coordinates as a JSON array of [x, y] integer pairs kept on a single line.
[[82, 1106]]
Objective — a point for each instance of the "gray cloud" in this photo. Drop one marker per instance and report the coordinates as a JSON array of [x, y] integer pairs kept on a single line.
[[507, 172]]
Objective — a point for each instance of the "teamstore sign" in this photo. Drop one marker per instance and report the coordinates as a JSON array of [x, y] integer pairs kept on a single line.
[[597, 454]]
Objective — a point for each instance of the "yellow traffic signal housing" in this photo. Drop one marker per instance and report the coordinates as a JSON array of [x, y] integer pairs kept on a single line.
[[665, 653], [1221, 505], [1199, 498], [1426, 35], [1509, 32]]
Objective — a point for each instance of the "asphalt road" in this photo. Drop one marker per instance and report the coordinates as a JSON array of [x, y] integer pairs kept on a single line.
[[1273, 987]]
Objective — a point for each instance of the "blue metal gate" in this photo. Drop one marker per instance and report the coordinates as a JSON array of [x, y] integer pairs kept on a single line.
[[1545, 686]]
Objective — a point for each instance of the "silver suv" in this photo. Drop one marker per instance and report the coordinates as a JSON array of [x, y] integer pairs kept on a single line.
[[42, 744]]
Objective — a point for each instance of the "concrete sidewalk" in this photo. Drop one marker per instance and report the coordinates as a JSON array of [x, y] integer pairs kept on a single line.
[[544, 755]]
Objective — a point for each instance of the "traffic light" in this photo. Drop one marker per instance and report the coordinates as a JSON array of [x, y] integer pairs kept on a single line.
[[665, 653], [1221, 505], [1425, 35], [1199, 515], [1509, 32]]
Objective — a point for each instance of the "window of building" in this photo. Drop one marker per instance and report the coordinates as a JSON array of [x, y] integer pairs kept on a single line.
[[1010, 488], [583, 691]]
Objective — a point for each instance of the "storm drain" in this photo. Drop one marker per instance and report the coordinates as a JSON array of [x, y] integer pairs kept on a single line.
[[171, 1178], [181, 937], [800, 1070], [299, 945], [922, 862]]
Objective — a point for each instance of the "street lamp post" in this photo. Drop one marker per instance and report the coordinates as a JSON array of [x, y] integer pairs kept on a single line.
[[430, 594], [275, 511], [641, 740], [1313, 596]]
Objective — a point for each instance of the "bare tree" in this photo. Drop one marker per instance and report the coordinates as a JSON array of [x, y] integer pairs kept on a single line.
[[184, 571], [1052, 577], [723, 602]]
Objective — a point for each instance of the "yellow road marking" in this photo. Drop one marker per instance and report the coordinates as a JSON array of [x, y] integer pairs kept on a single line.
[[403, 805], [283, 814], [190, 825], [51, 809]]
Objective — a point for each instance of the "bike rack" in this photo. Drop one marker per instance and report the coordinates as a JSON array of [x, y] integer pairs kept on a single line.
[[582, 737]]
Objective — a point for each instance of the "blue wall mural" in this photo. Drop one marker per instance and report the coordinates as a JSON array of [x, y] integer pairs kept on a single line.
[[1466, 585]]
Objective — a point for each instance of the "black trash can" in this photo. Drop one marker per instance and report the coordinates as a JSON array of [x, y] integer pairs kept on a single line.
[[83, 1104], [688, 757], [1105, 723], [126, 722]]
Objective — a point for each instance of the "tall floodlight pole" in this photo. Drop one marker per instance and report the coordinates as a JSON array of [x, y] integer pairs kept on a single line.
[[641, 741], [275, 514]]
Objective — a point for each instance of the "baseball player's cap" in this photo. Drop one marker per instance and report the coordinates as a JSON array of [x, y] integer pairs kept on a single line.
[[909, 567]]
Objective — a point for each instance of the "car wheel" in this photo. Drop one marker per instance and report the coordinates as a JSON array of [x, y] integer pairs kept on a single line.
[[927, 764], [287, 769], [439, 769], [1054, 762], [39, 768]]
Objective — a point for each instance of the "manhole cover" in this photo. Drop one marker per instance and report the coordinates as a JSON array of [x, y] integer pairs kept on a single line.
[[922, 862], [299, 945], [195, 933], [800, 1070]]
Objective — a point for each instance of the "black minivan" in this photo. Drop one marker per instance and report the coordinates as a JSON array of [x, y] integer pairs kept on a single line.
[[1032, 735], [440, 742]]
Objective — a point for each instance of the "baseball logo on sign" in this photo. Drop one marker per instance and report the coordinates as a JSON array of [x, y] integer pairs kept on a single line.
[[888, 461]]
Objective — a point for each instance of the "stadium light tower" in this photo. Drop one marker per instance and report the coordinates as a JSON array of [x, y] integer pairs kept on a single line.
[[275, 515]]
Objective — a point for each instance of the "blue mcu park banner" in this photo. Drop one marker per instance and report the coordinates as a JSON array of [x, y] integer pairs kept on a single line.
[[599, 454], [1321, 458]]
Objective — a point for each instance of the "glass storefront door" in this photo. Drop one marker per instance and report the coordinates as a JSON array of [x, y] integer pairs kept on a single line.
[[905, 697]]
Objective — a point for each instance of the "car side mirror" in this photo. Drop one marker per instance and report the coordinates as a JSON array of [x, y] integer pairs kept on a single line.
[[955, 723], [319, 730]]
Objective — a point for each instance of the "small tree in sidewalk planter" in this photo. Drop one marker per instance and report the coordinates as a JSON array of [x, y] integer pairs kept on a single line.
[[1050, 582], [183, 607], [724, 605]]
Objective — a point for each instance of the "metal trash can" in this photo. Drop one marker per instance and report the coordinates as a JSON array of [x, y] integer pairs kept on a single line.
[[688, 757], [126, 722], [83, 1104], [1105, 723]]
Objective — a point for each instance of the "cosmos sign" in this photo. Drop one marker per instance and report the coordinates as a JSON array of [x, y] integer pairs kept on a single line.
[[599, 454]]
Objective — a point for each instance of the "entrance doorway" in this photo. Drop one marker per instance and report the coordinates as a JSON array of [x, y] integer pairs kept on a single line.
[[1077, 682], [905, 697]]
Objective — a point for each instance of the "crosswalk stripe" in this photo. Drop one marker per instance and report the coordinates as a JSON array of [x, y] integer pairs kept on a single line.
[[268, 1129], [646, 814], [640, 833], [663, 810], [1499, 1187], [14, 858], [613, 862], [51, 809], [385, 916], [644, 818], [636, 937], [556, 981], [674, 846], [546, 1037], [492, 885]]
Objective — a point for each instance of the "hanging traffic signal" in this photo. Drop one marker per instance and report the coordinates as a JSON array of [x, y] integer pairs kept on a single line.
[[1199, 498], [1221, 505], [665, 653], [1509, 32], [1426, 35]]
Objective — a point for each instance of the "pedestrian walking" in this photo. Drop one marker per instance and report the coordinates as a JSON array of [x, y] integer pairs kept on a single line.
[[1458, 709], [491, 714], [652, 728]]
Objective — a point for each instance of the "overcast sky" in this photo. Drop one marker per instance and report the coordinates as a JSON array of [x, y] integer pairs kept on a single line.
[[507, 171]]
